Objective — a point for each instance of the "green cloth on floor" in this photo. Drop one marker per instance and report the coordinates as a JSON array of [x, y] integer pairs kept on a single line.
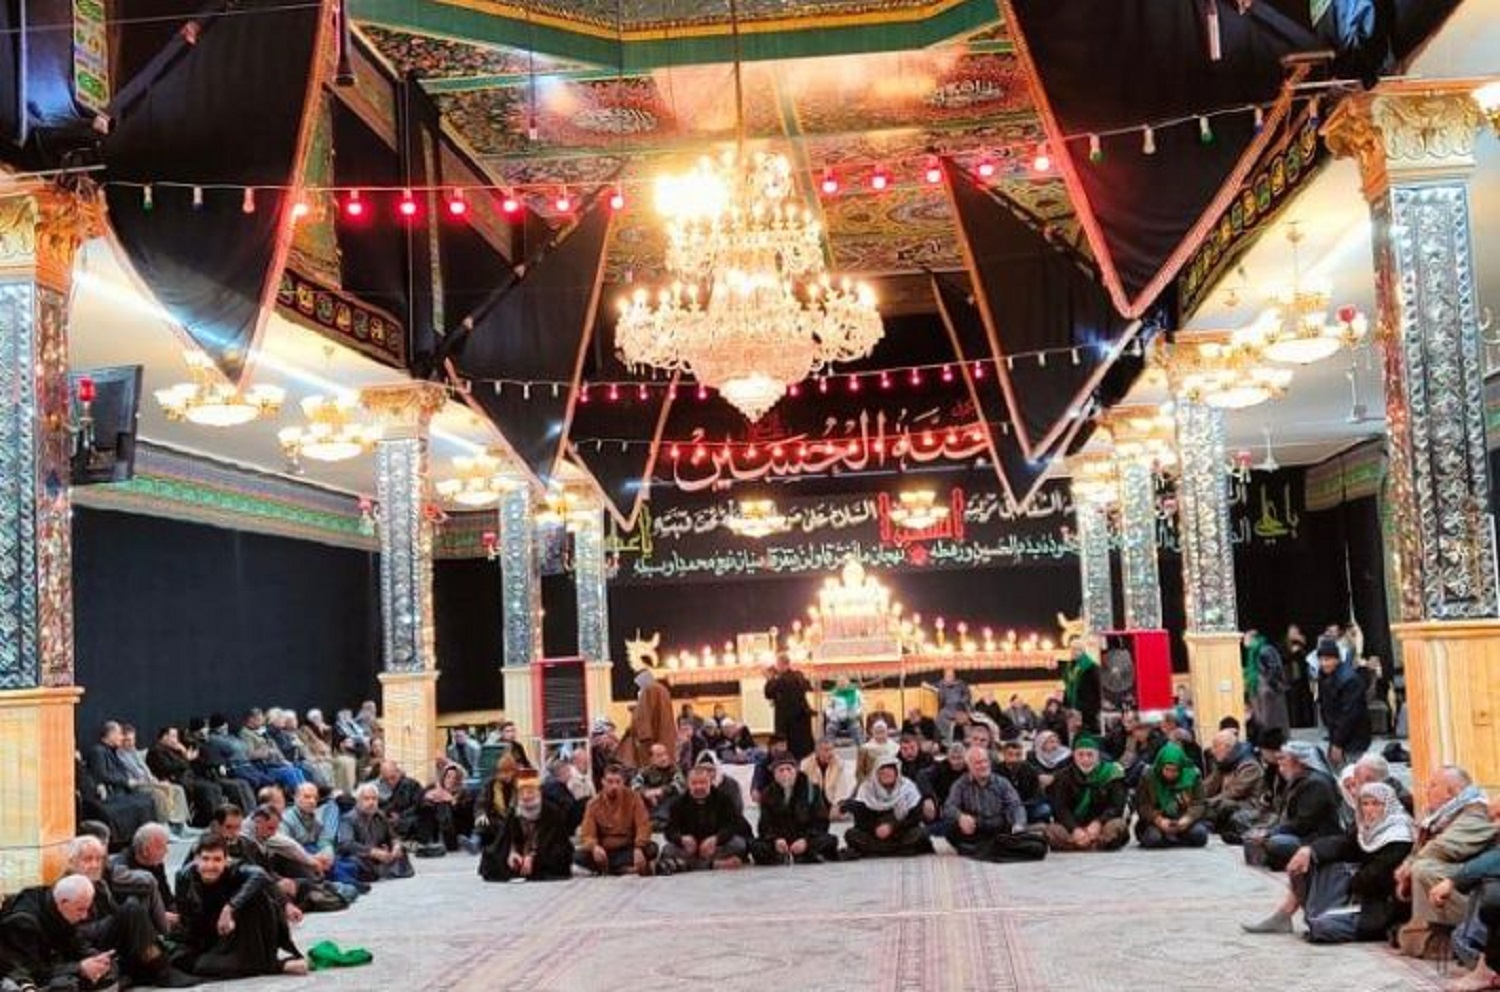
[[327, 954]]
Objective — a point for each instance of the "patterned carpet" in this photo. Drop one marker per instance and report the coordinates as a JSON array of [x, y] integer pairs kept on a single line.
[[1074, 923]]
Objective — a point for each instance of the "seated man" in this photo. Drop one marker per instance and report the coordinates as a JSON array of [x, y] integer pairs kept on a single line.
[[1021, 774], [875, 750], [760, 777], [315, 827], [1371, 767], [825, 772], [400, 799], [118, 923], [988, 820], [942, 775], [880, 715], [109, 775], [1169, 802], [1309, 807], [264, 755], [535, 845], [464, 750], [842, 711], [1234, 784], [615, 837], [558, 790], [1088, 802], [916, 765], [1478, 879], [171, 799], [232, 926], [924, 727], [365, 835], [445, 816], [736, 746], [1457, 829], [887, 813], [40, 942], [703, 830], [659, 784], [139, 872], [793, 819]]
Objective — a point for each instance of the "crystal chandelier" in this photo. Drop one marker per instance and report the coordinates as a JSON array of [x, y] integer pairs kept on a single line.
[[211, 401], [918, 509], [757, 518], [1093, 480], [331, 434], [1140, 435], [1296, 329], [563, 505], [477, 481], [1228, 373], [752, 309]]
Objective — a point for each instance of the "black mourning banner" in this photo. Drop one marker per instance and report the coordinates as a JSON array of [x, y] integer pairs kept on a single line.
[[228, 109], [535, 328]]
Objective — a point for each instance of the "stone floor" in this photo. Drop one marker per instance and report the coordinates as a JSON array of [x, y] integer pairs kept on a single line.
[[1074, 923]]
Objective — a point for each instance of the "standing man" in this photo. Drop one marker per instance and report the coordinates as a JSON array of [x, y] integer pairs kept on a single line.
[[1342, 704], [1083, 689], [787, 690], [953, 695], [653, 721]]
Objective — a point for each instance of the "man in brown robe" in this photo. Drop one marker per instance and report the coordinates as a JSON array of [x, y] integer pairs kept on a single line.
[[653, 721]]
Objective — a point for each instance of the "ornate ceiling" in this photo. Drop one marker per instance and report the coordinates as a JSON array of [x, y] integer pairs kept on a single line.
[[543, 117]]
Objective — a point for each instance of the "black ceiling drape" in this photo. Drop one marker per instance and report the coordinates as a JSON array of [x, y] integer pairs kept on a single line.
[[1034, 296], [229, 110], [535, 328]]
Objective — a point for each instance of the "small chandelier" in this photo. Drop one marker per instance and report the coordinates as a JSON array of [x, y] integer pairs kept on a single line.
[[1230, 374], [212, 401], [757, 518], [1093, 480], [477, 481], [918, 509], [562, 506], [331, 434], [1296, 330]]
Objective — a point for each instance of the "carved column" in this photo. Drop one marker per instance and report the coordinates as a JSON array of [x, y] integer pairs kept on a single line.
[[1138, 572], [1414, 145], [40, 230], [1212, 635], [1092, 519], [521, 602], [591, 581], [409, 680]]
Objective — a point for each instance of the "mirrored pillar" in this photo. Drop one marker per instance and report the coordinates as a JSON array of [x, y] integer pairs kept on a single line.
[[1138, 570]]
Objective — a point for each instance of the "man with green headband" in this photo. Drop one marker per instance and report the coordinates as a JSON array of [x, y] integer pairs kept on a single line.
[[1169, 802], [1088, 803], [1082, 689]]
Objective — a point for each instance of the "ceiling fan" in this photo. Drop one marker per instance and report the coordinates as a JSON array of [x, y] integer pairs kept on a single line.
[[1269, 463], [1358, 412]]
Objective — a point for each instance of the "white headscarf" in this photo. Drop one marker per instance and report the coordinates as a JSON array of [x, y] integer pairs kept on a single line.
[[1055, 758], [900, 799], [1395, 825]]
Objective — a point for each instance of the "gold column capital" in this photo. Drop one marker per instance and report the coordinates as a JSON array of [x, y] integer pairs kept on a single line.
[[404, 408], [1405, 132], [41, 227]]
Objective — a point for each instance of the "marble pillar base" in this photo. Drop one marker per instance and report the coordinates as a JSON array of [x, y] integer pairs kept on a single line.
[[36, 784], [520, 697], [1216, 680], [408, 709], [600, 687], [1453, 697]]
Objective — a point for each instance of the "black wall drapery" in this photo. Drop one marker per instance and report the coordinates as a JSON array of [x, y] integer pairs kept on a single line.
[[175, 620], [228, 110]]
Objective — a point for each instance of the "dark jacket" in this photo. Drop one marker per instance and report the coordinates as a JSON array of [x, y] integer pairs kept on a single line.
[[36, 943], [1312, 808], [1373, 887], [713, 816], [1024, 777], [939, 778], [1346, 714], [1067, 791], [548, 841], [108, 768], [200, 902], [925, 728], [794, 817]]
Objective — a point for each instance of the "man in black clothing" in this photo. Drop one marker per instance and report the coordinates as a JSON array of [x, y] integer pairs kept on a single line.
[[915, 765], [1342, 703], [787, 690], [924, 727], [703, 829], [793, 819], [121, 919], [232, 925], [1021, 774], [41, 941], [1310, 805]]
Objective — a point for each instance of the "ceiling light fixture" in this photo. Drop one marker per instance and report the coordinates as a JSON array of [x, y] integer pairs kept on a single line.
[[210, 400], [1296, 329], [331, 433], [478, 481]]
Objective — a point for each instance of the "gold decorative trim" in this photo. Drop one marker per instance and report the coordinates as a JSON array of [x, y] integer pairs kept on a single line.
[[1405, 134], [404, 407]]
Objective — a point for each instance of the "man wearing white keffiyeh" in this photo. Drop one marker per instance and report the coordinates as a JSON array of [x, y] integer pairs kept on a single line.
[[1457, 829], [887, 812]]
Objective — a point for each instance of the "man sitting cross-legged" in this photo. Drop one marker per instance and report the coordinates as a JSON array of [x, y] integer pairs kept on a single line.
[[120, 920], [535, 844], [793, 819], [703, 829], [615, 837], [659, 784], [1088, 803], [232, 925], [987, 817], [365, 835], [887, 812]]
